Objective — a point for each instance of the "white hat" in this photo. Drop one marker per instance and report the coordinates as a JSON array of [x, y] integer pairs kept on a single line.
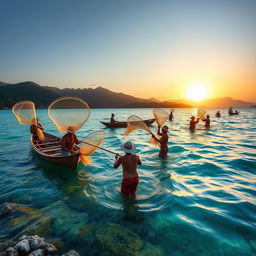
[[165, 128], [128, 147]]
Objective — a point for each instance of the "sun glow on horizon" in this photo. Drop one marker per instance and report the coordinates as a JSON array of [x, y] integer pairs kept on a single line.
[[197, 92]]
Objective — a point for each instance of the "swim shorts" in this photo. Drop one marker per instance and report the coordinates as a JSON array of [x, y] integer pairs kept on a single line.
[[64, 153], [129, 185], [35, 138]]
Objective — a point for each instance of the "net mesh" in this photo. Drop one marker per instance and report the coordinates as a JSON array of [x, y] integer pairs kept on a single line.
[[161, 116], [25, 112], [68, 112], [86, 160], [134, 123], [200, 113], [91, 142]]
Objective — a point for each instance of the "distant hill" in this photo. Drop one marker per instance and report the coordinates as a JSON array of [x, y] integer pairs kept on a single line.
[[96, 98], [219, 103]]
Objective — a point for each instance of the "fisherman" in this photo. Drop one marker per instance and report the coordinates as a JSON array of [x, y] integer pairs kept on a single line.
[[207, 121], [192, 125], [33, 129], [68, 142], [230, 111], [163, 141], [130, 175], [112, 118], [218, 114], [171, 116]]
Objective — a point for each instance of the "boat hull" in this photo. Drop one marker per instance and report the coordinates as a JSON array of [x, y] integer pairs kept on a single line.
[[124, 124], [50, 149]]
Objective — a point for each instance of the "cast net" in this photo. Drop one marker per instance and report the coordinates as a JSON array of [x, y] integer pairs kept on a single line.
[[25, 112], [134, 123], [68, 112], [161, 116], [200, 113], [89, 145]]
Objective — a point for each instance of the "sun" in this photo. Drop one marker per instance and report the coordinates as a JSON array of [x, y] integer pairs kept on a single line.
[[197, 92]]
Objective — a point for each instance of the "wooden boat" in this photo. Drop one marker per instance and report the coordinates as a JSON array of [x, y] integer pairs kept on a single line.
[[50, 150], [124, 124]]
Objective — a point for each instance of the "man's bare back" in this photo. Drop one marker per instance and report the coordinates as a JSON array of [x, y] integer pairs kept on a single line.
[[129, 163]]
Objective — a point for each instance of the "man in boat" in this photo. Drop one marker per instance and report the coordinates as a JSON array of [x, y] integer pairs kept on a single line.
[[34, 129], [207, 121], [193, 122], [130, 175], [68, 142], [163, 141], [218, 114], [230, 111], [171, 116], [112, 118]]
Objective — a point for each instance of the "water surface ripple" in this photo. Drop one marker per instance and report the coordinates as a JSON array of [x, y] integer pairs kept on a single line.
[[199, 201]]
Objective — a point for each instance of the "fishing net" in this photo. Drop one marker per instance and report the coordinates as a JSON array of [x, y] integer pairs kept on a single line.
[[91, 142], [161, 116], [173, 110], [134, 123], [68, 112], [200, 113], [25, 112], [86, 160]]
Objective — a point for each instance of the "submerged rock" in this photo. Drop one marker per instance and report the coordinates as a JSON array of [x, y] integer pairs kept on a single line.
[[150, 249], [36, 242], [65, 221], [119, 240], [71, 253]]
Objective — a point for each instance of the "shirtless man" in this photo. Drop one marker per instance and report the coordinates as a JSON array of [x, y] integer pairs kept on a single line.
[[163, 141], [207, 121], [218, 114], [68, 142], [192, 125], [130, 175], [33, 129]]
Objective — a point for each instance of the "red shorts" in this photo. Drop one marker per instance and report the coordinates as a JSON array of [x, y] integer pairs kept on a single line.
[[129, 185]]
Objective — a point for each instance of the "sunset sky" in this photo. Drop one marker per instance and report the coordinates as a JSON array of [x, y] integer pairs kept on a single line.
[[150, 48]]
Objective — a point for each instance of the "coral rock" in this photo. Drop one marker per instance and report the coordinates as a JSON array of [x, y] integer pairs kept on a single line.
[[50, 249], [38, 252], [23, 246], [36, 242], [11, 252]]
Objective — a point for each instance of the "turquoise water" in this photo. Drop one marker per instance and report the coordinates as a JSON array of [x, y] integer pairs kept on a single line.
[[198, 201]]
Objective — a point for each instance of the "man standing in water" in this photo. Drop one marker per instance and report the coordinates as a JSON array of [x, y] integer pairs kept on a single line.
[[163, 141], [68, 142], [193, 122], [130, 175], [207, 121]]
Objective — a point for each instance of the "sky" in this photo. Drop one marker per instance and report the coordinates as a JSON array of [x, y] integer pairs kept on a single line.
[[153, 48]]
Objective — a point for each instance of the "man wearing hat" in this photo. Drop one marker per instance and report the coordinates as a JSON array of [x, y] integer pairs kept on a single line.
[[163, 141], [130, 175], [68, 142]]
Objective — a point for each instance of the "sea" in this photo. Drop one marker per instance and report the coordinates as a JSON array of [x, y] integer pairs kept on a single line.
[[200, 200]]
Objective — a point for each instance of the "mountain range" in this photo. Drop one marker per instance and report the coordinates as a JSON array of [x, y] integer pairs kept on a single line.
[[100, 98]]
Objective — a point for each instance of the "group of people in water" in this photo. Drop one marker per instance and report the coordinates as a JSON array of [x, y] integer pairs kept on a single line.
[[129, 161]]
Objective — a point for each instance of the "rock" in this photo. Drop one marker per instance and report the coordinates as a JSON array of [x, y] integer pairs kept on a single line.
[[6, 209], [50, 249], [71, 253], [11, 251], [119, 240], [23, 237], [150, 249], [23, 246], [38, 252], [41, 227], [66, 222], [36, 242]]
